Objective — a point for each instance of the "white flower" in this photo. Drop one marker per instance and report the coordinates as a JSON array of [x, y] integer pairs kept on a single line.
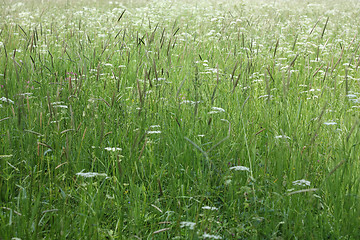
[[282, 136], [210, 33], [113, 149], [4, 99], [301, 182], [191, 225], [266, 96], [240, 168], [153, 132], [205, 235], [56, 103], [90, 174], [209, 208], [188, 101], [355, 100], [25, 94], [154, 126], [330, 123], [218, 109], [61, 106]]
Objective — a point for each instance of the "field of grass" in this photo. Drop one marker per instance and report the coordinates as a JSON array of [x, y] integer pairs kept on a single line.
[[179, 119]]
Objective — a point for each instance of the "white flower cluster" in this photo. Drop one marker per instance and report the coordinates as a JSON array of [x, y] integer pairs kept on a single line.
[[4, 99], [216, 110], [190, 225], [90, 174], [301, 182], [240, 168]]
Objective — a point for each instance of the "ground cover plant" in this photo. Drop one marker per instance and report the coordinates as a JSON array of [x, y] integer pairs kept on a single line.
[[179, 120]]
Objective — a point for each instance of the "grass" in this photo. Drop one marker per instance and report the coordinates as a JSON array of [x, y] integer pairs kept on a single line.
[[179, 120]]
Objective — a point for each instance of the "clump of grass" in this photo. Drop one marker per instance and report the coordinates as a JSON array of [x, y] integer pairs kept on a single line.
[[179, 120]]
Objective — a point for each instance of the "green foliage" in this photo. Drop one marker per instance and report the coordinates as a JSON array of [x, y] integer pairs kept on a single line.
[[179, 120]]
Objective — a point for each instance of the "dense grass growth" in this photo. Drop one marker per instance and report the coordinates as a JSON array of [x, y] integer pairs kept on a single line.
[[179, 120]]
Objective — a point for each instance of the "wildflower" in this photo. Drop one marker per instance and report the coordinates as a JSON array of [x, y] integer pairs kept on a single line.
[[205, 235], [313, 90], [301, 182], [190, 225], [209, 208], [212, 70], [114, 149], [240, 168], [266, 96], [25, 94], [315, 96], [355, 100], [330, 123], [216, 110], [56, 103], [282, 136], [211, 33], [159, 79], [4, 99], [188, 101], [154, 126], [61, 106], [153, 132], [90, 174]]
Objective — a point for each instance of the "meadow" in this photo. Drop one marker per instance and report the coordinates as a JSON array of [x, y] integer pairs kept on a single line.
[[179, 119]]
